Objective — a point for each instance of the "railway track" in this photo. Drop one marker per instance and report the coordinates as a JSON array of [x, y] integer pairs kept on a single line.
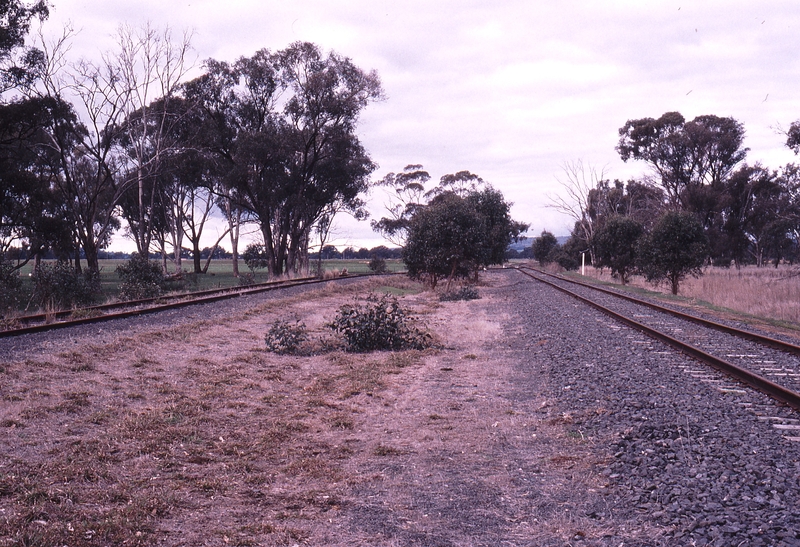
[[119, 310], [769, 365]]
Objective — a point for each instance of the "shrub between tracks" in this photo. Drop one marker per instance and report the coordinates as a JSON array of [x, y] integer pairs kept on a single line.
[[380, 325]]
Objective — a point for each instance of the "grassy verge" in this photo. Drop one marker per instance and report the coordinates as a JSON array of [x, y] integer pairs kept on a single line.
[[752, 294], [219, 275]]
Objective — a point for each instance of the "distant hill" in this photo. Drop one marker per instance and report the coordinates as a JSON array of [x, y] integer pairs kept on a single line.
[[519, 246]]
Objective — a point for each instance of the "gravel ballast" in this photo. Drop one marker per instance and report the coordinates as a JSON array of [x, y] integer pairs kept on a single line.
[[684, 460]]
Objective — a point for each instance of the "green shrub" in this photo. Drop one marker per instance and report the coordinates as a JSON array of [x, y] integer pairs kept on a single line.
[[255, 256], [247, 279], [59, 286], [284, 338], [464, 293], [10, 287], [378, 265], [141, 278], [380, 325]]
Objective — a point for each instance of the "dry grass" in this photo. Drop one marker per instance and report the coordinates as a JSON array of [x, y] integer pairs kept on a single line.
[[198, 436], [767, 292]]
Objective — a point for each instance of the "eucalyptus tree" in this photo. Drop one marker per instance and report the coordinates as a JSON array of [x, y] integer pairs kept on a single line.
[[93, 160], [18, 63], [793, 137], [406, 195], [579, 199], [683, 155], [284, 126], [454, 236], [615, 245], [675, 248], [150, 65], [31, 212]]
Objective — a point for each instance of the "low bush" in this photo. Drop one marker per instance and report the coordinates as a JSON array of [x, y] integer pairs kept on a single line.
[[10, 287], [59, 286], [380, 325], [378, 265], [464, 293], [141, 278], [285, 338], [247, 279], [255, 256]]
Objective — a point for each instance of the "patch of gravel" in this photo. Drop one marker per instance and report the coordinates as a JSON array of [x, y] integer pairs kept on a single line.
[[682, 462]]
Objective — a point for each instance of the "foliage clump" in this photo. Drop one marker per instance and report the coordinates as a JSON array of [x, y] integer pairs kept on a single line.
[[545, 248], [379, 325], [378, 265], [59, 286], [284, 338], [247, 280], [10, 287], [141, 278], [464, 293], [676, 247], [456, 234], [255, 256], [615, 246]]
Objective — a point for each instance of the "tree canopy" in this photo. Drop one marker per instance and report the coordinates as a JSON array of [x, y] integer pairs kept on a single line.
[[674, 249], [684, 154], [456, 233], [282, 126], [269, 139]]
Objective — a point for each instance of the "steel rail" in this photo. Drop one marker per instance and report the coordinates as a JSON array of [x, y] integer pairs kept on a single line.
[[163, 299], [180, 301], [745, 376], [748, 335]]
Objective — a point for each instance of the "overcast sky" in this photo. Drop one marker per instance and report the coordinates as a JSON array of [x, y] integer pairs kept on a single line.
[[509, 90]]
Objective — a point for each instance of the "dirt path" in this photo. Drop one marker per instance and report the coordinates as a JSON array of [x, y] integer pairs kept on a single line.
[[195, 435]]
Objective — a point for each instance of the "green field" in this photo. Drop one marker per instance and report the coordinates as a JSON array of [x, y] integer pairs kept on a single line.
[[220, 275]]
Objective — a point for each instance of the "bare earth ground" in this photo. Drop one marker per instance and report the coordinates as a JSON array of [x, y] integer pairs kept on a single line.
[[196, 435]]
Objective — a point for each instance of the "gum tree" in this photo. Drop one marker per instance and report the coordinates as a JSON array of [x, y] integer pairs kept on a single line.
[[677, 247], [284, 128]]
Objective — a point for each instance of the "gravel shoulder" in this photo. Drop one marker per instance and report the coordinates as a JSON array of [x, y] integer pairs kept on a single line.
[[533, 422]]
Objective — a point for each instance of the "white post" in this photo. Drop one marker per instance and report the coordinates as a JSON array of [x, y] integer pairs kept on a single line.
[[583, 263]]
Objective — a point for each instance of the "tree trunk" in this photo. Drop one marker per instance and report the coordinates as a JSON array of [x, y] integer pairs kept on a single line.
[[234, 223], [78, 269], [211, 254], [196, 256]]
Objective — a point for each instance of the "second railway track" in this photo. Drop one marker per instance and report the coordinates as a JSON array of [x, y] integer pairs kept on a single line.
[[769, 365], [120, 310]]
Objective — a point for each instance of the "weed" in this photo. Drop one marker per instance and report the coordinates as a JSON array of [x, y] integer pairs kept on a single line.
[[383, 450], [284, 338], [247, 279], [58, 286], [342, 422], [141, 278], [381, 325], [464, 293], [74, 401], [85, 314], [378, 265]]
